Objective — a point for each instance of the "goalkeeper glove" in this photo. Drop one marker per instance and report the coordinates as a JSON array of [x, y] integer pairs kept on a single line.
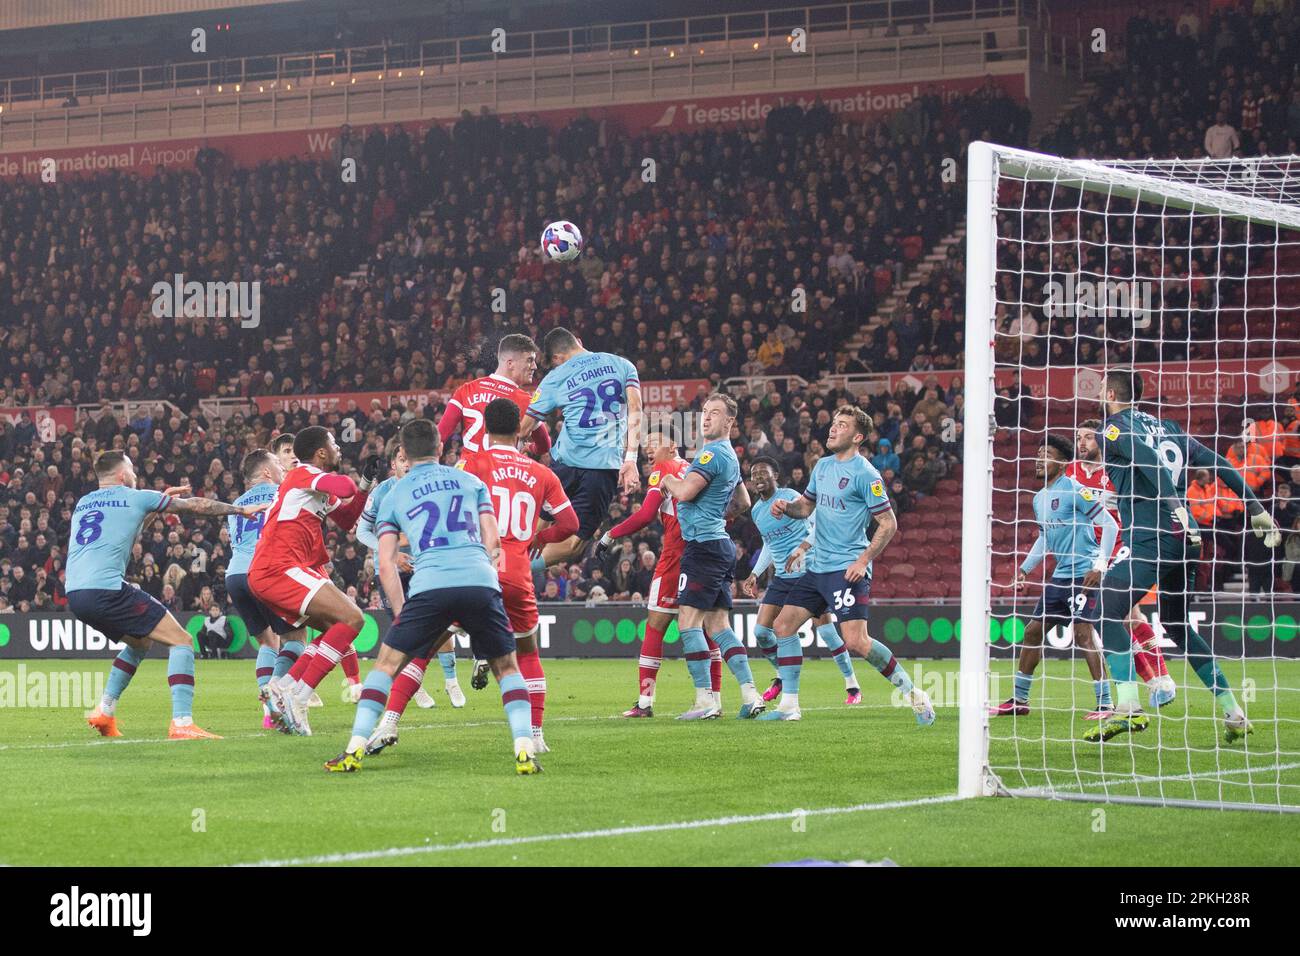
[[373, 469], [1265, 528], [1193, 536], [604, 544]]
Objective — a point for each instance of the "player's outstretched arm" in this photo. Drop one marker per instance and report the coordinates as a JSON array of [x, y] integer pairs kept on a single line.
[[212, 507], [633, 522], [801, 507], [1200, 456], [564, 526], [685, 488], [629, 475], [389, 577], [1033, 560], [449, 422]]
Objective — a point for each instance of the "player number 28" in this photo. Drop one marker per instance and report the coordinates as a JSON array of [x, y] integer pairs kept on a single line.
[[608, 395]]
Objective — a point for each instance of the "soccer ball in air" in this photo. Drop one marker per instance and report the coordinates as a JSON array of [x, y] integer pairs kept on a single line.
[[561, 241]]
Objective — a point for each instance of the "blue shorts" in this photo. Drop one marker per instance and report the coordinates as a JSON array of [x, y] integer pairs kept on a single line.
[[590, 491], [255, 616], [778, 589], [479, 611], [1063, 601], [708, 568], [821, 591], [383, 595], [128, 611]]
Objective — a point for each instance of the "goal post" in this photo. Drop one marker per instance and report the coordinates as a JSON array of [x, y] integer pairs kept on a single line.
[[1187, 271]]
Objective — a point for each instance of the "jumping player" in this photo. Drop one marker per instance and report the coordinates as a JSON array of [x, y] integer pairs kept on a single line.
[[596, 451], [1146, 460], [516, 369], [704, 495], [1067, 514], [105, 524], [661, 600], [786, 543], [446, 514], [1088, 471], [288, 574], [847, 492]]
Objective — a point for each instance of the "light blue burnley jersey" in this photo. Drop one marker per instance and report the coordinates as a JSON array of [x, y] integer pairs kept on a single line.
[[1064, 510], [591, 390], [847, 493], [705, 518], [367, 531], [244, 532], [781, 535], [438, 509], [105, 524]]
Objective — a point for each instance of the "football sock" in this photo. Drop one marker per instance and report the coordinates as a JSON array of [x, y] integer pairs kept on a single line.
[[119, 675], [1102, 689], [766, 638], [351, 668], [538, 563], [882, 659], [530, 666], [514, 698], [1024, 684], [789, 663], [1126, 696], [652, 655], [329, 652], [448, 661], [290, 651], [695, 648], [265, 668], [180, 678], [300, 666], [1147, 656], [733, 652], [404, 686], [374, 693], [715, 665], [839, 650]]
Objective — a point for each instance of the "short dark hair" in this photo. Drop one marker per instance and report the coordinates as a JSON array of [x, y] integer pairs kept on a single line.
[[279, 441], [1092, 423], [391, 446], [726, 400], [559, 339], [1126, 382], [309, 441], [861, 420], [516, 344], [1061, 446], [109, 462], [253, 463], [501, 417], [419, 439], [769, 462]]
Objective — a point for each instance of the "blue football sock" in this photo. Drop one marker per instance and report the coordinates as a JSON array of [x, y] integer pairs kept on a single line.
[[696, 650], [1120, 664], [766, 638], [1102, 689], [266, 658], [1024, 683], [789, 663], [123, 669], [882, 659], [180, 678], [290, 651], [537, 564], [839, 650], [519, 709], [374, 697], [733, 653], [448, 661]]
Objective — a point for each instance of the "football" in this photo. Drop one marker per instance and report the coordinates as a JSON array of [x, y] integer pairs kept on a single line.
[[562, 241]]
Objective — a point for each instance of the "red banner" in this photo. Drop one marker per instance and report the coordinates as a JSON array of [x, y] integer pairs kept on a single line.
[[46, 418], [854, 103], [342, 401], [1176, 383], [666, 395]]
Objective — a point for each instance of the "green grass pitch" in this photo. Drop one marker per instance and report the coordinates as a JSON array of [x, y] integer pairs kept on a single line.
[[671, 793]]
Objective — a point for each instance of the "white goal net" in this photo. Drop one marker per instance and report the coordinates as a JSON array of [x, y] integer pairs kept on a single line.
[[1186, 275]]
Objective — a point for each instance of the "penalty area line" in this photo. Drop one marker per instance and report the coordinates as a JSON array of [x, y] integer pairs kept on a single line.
[[404, 851]]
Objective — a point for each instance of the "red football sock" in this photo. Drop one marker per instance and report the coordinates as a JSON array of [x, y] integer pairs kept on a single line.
[[351, 666], [332, 645], [530, 666], [652, 656], [405, 684], [1147, 656], [305, 658], [715, 666]]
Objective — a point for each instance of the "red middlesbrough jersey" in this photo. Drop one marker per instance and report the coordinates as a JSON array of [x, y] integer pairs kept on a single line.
[[293, 534], [673, 546], [473, 397], [522, 491], [1099, 482]]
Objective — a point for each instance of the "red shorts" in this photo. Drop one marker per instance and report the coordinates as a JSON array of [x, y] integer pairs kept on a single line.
[[663, 586], [287, 591], [521, 605]]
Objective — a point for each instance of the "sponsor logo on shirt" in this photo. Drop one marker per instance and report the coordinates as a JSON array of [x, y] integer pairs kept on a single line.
[[878, 489], [1112, 432], [705, 458]]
